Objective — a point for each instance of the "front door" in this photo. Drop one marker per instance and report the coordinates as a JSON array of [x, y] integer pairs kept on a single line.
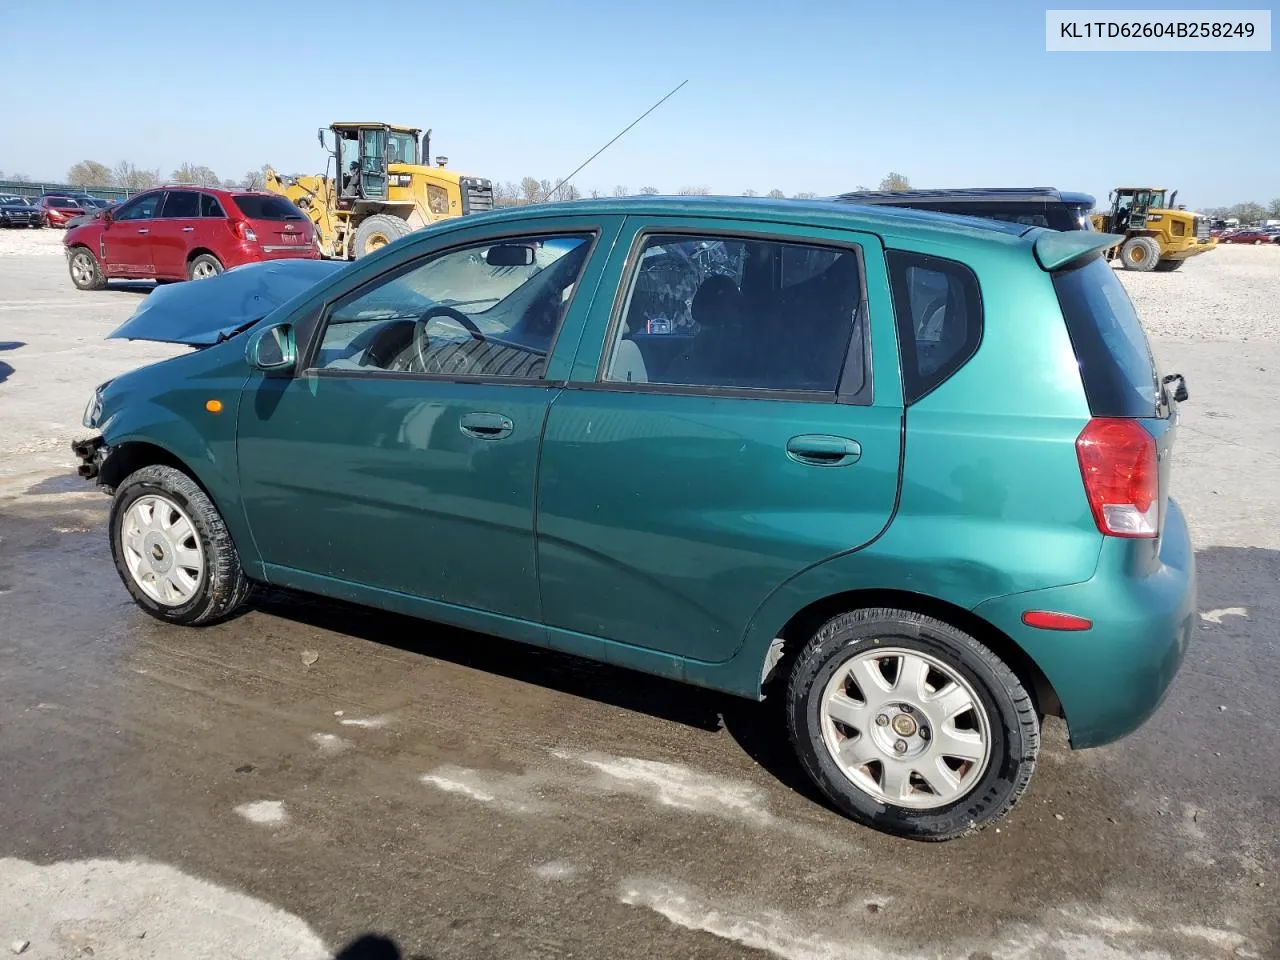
[[684, 481], [126, 240], [173, 232], [404, 456]]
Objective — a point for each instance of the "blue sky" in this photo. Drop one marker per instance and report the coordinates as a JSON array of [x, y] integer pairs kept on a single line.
[[817, 95]]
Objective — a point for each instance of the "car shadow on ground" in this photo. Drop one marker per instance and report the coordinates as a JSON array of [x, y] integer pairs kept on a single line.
[[374, 946], [140, 287], [6, 370]]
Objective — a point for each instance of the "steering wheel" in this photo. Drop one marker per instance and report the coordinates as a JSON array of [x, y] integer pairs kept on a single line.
[[420, 332]]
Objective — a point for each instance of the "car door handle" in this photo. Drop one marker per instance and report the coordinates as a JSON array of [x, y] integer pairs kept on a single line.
[[486, 426], [823, 451], [144, 229], [188, 229]]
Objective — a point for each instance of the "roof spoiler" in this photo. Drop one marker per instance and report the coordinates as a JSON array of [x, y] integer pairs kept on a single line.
[[1055, 249]]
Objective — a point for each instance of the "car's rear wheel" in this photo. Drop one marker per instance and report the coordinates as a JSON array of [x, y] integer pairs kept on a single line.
[[172, 549], [1140, 253], [85, 272], [1168, 266], [203, 267], [910, 725], [377, 231]]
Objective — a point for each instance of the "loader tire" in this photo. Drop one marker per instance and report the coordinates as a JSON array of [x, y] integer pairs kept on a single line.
[[1168, 266], [1140, 253], [377, 231]]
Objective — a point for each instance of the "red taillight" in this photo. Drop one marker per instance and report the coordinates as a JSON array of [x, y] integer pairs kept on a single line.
[[1121, 477], [1048, 620], [242, 230]]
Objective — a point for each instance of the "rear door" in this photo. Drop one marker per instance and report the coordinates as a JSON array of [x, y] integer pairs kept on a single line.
[[683, 481], [173, 232]]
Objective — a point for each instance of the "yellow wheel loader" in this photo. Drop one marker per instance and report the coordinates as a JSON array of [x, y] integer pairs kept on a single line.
[[1156, 236], [378, 185]]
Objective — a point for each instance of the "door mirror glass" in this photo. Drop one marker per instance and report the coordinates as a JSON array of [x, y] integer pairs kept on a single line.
[[509, 255], [272, 350]]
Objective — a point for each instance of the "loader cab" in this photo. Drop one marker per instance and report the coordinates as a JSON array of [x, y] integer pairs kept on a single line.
[[363, 152], [1130, 206]]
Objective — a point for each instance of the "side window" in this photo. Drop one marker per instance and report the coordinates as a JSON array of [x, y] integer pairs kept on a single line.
[[210, 207], [140, 208], [181, 203], [489, 310], [707, 312], [939, 314]]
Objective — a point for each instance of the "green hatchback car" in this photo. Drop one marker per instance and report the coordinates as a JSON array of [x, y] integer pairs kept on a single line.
[[907, 471]]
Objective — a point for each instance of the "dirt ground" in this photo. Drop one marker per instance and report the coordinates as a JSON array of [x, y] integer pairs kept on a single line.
[[315, 780]]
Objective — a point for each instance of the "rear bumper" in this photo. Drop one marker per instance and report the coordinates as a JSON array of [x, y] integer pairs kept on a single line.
[[244, 253], [1112, 678]]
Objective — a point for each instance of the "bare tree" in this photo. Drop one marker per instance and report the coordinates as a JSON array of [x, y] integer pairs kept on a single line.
[[595, 194], [621, 191], [505, 194], [130, 178], [532, 190], [693, 191], [649, 191], [197, 174], [895, 182], [750, 193], [89, 173], [1274, 209], [776, 194], [19, 178], [1248, 212], [255, 179], [565, 191], [806, 195]]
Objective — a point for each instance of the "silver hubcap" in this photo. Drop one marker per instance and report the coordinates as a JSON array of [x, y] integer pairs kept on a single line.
[[162, 550], [82, 268], [203, 270], [905, 728]]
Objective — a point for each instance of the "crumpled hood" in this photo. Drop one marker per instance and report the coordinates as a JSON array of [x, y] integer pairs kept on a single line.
[[201, 313]]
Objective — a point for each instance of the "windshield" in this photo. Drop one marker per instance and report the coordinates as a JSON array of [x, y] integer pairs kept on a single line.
[[402, 148]]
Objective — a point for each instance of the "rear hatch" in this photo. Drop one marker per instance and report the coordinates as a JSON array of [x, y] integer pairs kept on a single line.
[[1117, 368], [279, 225]]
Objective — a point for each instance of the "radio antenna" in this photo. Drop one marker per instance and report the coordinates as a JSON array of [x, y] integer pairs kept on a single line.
[[557, 187]]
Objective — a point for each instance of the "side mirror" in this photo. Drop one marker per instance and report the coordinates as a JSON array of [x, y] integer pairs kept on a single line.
[[272, 349], [509, 255]]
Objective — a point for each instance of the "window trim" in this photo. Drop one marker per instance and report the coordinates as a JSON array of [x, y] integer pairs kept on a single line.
[[864, 397], [315, 336], [908, 361]]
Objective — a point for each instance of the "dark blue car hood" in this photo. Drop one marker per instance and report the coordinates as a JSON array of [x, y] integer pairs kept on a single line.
[[201, 313]]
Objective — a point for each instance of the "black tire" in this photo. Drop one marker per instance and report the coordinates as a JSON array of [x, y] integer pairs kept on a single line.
[[222, 587], [1140, 254], [196, 269], [376, 232], [86, 274], [1012, 721], [1168, 266]]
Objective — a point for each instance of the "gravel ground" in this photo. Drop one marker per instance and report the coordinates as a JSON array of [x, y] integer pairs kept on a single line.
[[29, 243], [1231, 293]]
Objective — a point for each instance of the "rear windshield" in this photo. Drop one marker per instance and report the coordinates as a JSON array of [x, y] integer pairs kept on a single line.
[[267, 208], [62, 202], [1115, 359]]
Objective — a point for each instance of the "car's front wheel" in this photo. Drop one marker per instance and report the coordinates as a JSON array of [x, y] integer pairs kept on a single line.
[[85, 272], [911, 726], [203, 267], [172, 548]]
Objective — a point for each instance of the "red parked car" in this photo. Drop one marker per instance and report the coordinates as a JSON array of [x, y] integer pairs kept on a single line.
[[58, 210], [186, 233], [1251, 235]]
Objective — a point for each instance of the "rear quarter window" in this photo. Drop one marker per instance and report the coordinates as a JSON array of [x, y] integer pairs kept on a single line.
[[267, 208], [1116, 365], [938, 308]]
